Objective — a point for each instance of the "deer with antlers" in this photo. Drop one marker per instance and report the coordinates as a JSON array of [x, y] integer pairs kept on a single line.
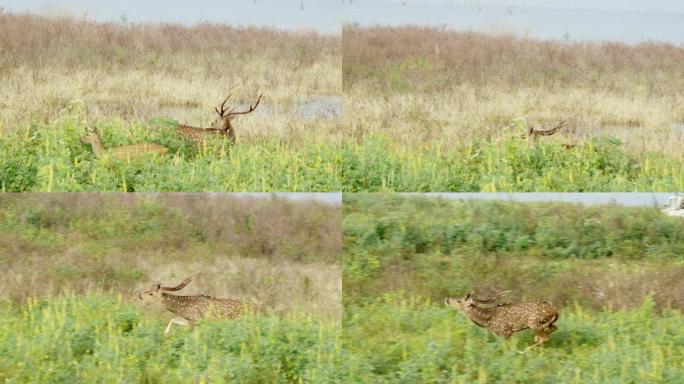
[[505, 319], [190, 309], [532, 133], [221, 126]]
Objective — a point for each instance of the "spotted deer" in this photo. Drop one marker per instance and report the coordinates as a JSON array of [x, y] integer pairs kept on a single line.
[[505, 319], [533, 133], [124, 152], [220, 127], [190, 309]]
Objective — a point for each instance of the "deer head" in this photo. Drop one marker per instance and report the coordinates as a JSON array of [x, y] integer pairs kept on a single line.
[[227, 114], [534, 132], [464, 303], [158, 289]]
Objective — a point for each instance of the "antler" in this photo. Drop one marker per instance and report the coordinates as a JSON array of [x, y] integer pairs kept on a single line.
[[491, 299], [182, 284], [251, 109], [222, 105], [549, 132]]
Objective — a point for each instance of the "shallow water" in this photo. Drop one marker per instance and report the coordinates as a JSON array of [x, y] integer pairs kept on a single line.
[[678, 127], [311, 108], [619, 20], [319, 107]]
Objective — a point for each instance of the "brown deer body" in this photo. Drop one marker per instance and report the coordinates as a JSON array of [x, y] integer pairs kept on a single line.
[[506, 319], [533, 133], [190, 309], [221, 127], [124, 152]]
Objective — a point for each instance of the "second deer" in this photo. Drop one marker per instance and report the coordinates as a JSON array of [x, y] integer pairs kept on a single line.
[[221, 126], [505, 319], [124, 152], [191, 309]]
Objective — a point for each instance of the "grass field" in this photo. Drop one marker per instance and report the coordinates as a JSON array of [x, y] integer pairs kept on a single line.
[[614, 272], [424, 109], [135, 82], [282, 255], [102, 339], [401, 339], [438, 110], [73, 264]]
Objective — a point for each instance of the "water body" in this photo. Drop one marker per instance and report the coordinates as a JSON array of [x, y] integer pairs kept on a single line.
[[628, 21], [657, 200], [320, 107], [322, 15]]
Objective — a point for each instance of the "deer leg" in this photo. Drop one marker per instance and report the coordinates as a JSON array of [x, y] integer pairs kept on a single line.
[[550, 329], [540, 337], [176, 320]]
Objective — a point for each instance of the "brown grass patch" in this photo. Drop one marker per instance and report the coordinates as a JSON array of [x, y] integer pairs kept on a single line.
[[280, 254]]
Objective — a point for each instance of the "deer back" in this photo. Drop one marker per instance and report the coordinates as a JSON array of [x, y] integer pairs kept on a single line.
[[198, 134], [518, 316], [193, 308]]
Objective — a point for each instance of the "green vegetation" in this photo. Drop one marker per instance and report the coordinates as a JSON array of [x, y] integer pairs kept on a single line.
[[282, 254], [614, 272], [101, 339], [52, 158], [438, 247], [441, 110], [381, 164], [135, 82], [73, 262], [441, 113], [401, 339]]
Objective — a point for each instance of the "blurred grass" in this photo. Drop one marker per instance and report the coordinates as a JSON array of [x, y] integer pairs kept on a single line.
[[596, 255], [283, 254], [408, 339], [613, 271], [99, 338]]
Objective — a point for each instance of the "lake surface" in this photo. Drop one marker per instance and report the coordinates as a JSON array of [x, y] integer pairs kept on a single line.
[[631, 199], [322, 15], [574, 20], [579, 20]]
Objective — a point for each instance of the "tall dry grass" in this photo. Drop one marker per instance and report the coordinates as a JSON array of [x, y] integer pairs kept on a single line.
[[280, 254], [422, 85], [37, 41], [135, 71], [443, 58]]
